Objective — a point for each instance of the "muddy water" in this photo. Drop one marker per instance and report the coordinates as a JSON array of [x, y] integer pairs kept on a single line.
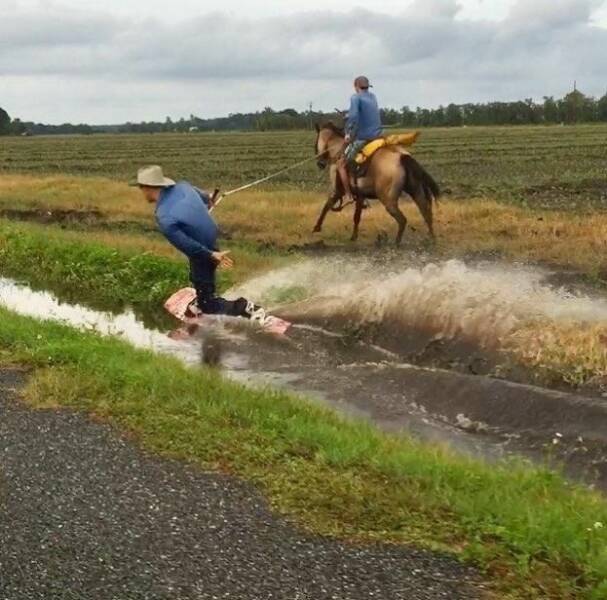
[[482, 302], [451, 314], [478, 415]]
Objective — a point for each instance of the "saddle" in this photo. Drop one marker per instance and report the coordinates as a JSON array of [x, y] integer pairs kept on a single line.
[[399, 139]]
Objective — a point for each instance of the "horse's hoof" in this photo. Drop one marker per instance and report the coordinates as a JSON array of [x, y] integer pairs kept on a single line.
[[316, 230]]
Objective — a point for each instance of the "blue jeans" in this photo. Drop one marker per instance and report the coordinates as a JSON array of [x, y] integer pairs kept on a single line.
[[202, 275], [352, 149]]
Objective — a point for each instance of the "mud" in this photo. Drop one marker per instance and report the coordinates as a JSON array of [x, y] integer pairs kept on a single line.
[[76, 219], [587, 192], [60, 216], [482, 416]]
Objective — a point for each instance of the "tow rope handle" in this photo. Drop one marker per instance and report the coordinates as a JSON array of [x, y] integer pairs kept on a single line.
[[215, 199]]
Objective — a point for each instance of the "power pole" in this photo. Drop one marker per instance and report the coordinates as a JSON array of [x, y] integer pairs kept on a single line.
[[310, 106]]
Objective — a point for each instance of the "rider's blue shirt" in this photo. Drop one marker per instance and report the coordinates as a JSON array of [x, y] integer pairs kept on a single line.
[[183, 217], [364, 121]]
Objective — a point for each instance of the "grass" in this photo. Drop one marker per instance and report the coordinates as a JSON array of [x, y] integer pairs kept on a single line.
[[285, 219], [116, 199], [533, 533], [574, 353]]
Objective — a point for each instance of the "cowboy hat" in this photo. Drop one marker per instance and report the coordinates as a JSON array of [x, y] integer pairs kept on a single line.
[[152, 176]]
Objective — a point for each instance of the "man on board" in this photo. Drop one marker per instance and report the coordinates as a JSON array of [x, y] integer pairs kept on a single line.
[[363, 125], [182, 214]]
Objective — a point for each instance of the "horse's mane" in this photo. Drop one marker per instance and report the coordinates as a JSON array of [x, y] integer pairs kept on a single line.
[[334, 128]]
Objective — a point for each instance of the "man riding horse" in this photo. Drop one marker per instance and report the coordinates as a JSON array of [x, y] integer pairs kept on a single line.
[[390, 171], [362, 126]]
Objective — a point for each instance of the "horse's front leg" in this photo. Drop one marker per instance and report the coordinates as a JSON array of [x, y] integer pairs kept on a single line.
[[323, 213], [334, 196]]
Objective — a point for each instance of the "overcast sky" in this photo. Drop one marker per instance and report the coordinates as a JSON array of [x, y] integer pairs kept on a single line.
[[119, 60]]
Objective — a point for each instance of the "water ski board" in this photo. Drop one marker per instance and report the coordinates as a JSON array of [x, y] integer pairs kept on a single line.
[[179, 306]]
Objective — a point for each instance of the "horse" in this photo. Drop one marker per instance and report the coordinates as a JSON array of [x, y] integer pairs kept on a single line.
[[390, 172]]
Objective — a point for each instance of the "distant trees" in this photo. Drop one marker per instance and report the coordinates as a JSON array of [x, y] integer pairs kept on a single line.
[[602, 108], [551, 110], [454, 116], [575, 107], [5, 122]]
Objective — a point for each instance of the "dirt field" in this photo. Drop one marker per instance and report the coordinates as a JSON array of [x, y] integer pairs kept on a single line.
[[553, 167]]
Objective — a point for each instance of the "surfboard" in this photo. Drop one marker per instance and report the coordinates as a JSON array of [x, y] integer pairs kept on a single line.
[[180, 306]]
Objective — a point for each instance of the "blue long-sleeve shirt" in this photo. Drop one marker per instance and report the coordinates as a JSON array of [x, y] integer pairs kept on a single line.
[[364, 121], [183, 217]]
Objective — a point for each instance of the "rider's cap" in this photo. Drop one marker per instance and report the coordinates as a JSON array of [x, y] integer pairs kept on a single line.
[[362, 82]]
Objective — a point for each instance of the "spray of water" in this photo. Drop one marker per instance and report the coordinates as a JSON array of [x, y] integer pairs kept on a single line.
[[452, 299]]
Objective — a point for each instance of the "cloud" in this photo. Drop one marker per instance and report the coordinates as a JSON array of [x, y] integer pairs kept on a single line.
[[427, 46], [48, 29], [552, 14]]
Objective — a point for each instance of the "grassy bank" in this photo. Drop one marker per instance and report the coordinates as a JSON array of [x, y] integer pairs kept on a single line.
[[108, 270], [537, 536]]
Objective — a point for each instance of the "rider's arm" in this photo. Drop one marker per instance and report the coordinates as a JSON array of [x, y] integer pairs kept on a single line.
[[353, 116]]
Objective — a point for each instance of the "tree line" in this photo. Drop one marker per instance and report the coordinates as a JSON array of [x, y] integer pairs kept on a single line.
[[575, 107]]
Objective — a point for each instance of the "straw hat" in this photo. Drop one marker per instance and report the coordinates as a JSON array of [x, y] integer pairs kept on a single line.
[[152, 176]]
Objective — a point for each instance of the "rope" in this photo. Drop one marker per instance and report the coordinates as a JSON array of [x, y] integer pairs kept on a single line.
[[264, 179]]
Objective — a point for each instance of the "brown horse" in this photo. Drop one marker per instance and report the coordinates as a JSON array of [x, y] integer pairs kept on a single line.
[[390, 172]]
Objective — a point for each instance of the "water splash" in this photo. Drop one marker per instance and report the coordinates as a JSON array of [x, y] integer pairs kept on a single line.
[[484, 302]]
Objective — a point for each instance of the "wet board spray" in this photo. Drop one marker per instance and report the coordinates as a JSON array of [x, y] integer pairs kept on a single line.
[[179, 306]]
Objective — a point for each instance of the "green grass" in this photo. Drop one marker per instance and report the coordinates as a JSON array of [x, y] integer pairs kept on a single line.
[[534, 533], [537, 166], [108, 277]]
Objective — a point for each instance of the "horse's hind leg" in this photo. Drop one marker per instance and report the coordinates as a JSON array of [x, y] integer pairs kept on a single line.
[[400, 218], [424, 203]]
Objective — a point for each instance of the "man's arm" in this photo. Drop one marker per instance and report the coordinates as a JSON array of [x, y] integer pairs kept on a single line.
[[206, 197], [173, 232], [353, 117]]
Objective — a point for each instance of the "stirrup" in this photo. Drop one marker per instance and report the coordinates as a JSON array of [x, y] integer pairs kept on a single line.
[[338, 205]]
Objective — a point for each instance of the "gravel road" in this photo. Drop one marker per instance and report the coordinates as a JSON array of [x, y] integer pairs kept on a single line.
[[86, 514]]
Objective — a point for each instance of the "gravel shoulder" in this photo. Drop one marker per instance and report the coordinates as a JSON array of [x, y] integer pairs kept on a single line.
[[85, 513]]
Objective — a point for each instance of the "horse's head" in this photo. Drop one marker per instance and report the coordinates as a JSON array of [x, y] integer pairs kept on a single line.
[[329, 143]]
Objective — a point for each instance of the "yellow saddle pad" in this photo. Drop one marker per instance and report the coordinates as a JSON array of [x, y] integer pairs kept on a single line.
[[397, 139]]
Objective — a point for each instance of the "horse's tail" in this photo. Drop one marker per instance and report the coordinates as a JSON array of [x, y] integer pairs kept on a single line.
[[417, 177]]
